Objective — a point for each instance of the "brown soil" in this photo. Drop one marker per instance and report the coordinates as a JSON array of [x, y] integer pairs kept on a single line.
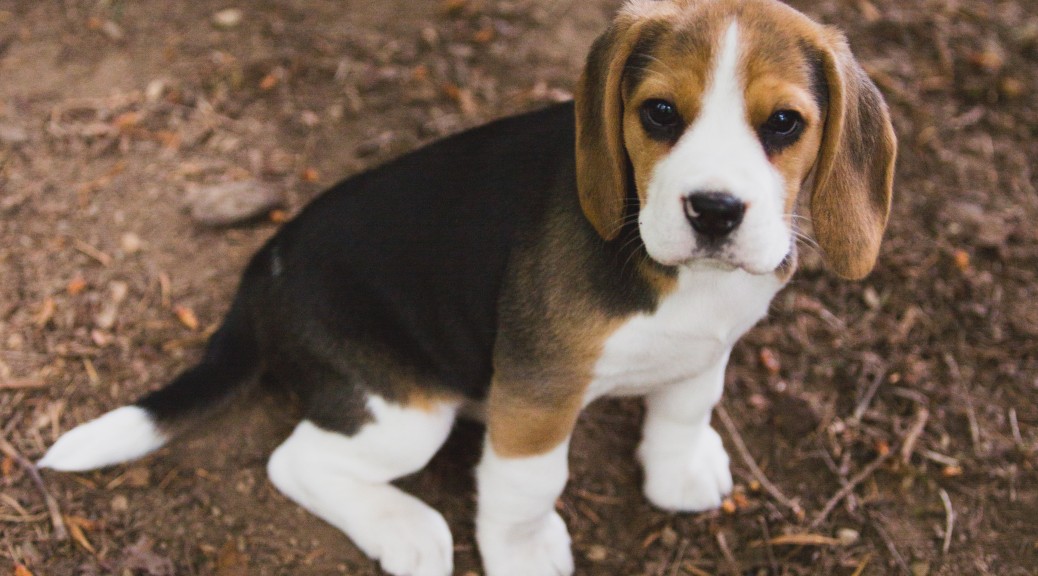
[[111, 111]]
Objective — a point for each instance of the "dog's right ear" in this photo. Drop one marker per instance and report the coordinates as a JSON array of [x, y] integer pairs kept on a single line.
[[602, 164]]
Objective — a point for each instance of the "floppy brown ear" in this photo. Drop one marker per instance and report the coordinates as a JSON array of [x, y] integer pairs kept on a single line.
[[854, 175], [602, 163]]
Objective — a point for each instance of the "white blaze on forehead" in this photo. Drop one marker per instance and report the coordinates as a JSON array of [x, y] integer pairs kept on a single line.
[[720, 152]]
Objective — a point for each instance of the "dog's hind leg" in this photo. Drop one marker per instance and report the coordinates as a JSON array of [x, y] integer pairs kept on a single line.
[[344, 479]]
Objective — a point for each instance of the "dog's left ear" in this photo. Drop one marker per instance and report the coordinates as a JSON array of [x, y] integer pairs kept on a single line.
[[603, 172], [854, 175]]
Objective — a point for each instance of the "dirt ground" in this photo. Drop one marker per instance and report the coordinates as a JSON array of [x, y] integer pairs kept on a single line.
[[912, 393]]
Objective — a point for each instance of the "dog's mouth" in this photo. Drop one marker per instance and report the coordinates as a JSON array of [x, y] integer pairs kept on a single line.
[[726, 261]]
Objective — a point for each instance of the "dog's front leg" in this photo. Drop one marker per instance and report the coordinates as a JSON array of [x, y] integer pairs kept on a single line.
[[523, 472], [686, 466]]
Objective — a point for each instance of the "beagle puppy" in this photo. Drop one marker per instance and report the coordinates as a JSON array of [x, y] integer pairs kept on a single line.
[[616, 245]]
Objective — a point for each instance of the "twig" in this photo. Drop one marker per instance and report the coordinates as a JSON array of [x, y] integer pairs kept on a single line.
[[921, 417], [849, 487], [60, 532], [744, 452], [939, 458], [949, 520], [861, 567], [25, 384], [730, 563], [88, 250], [768, 549], [678, 557], [862, 406], [1015, 427], [891, 547], [971, 412]]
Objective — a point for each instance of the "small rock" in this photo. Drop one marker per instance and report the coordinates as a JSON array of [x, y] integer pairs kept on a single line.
[[131, 243], [109, 313], [847, 536], [113, 31], [668, 537], [229, 18], [13, 135], [597, 553], [232, 202], [120, 503], [871, 298], [155, 89]]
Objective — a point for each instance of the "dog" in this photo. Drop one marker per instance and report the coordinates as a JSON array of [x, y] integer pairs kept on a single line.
[[618, 244]]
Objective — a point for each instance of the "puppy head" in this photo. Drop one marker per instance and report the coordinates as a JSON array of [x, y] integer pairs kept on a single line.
[[718, 113]]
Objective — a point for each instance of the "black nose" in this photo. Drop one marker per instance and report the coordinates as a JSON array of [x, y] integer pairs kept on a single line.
[[714, 214]]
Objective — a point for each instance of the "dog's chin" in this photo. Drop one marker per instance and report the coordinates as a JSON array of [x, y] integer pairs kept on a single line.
[[718, 263], [726, 265]]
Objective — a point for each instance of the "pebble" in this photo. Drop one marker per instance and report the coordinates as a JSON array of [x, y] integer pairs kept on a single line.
[[120, 503], [10, 134], [232, 202], [847, 536], [597, 553], [229, 18], [131, 243]]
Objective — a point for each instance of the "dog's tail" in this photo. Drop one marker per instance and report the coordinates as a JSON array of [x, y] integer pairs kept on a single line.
[[231, 360]]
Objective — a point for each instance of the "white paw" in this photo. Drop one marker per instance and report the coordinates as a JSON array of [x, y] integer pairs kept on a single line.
[[689, 481], [540, 548], [406, 536]]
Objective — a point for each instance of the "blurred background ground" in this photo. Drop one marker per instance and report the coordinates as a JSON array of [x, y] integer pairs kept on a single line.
[[913, 392]]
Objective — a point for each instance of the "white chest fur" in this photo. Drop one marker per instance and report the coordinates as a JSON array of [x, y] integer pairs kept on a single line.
[[691, 331]]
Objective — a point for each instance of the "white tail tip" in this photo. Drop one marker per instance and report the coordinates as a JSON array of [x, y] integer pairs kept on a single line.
[[123, 434]]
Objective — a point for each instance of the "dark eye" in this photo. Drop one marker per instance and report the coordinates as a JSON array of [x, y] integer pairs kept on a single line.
[[781, 129], [661, 120]]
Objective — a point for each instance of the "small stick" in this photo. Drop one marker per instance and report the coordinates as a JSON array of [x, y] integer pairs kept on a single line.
[[849, 487], [679, 557], [862, 406], [60, 532], [1015, 426], [747, 458], [861, 567], [768, 548], [24, 384], [949, 520], [88, 250], [891, 547], [731, 564], [921, 417], [971, 412]]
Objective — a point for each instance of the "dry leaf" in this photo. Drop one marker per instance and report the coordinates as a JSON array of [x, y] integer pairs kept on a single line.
[[140, 557], [484, 36], [76, 526], [230, 562], [728, 506], [269, 81], [186, 316], [126, 121], [770, 360], [76, 286], [46, 312], [278, 216], [962, 260]]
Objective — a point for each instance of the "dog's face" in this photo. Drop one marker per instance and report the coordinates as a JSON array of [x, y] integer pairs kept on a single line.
[[718, 112]]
